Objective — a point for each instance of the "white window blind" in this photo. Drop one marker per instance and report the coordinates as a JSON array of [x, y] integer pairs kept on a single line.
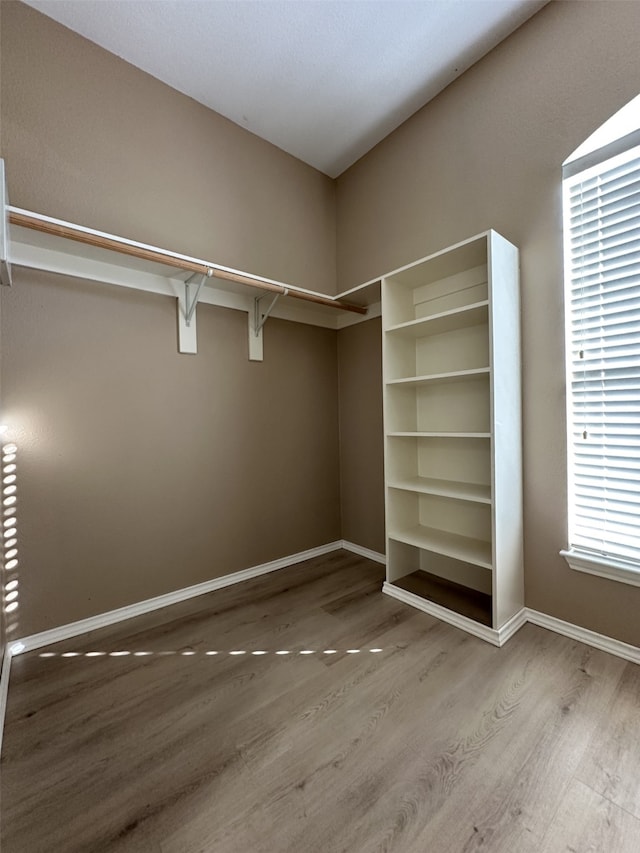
[[602, 268]]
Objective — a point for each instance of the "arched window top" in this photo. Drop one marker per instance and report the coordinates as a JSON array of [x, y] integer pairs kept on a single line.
[[618, 133]]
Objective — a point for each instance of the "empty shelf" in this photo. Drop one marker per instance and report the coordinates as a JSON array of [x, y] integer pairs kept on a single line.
[[475, 551], [435, 378], [439, 435], [447, 321], [461, 599], [446, 488]]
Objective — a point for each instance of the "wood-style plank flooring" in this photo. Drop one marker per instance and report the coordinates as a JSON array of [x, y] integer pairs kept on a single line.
[[140, 738]]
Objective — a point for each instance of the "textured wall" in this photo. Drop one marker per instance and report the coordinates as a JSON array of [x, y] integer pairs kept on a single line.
[[91, 139], [142, 470], [361, 449], [108, 409], [487, 153]]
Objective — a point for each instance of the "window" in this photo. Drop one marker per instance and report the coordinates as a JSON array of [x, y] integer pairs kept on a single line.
[[602, 303]]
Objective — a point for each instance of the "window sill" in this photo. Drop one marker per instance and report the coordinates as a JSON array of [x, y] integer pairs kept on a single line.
[[603, 567]]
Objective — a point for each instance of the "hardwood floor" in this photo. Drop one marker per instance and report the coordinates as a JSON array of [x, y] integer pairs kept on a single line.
[[436, 743]]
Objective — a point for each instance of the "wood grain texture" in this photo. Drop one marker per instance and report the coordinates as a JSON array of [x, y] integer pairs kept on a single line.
[[588, 823], [437, 742], [611, 768]]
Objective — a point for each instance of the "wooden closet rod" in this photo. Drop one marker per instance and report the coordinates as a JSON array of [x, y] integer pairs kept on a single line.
[[68, 231]]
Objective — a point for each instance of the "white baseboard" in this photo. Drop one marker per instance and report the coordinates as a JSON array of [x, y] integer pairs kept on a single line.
[[584, 635], [500, 637], [4, 689], [364, 552], [497, 637], [512, 626], [111, 617], [442, 613]]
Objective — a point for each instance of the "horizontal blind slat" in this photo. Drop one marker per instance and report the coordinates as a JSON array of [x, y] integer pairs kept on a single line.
[[603, 251]]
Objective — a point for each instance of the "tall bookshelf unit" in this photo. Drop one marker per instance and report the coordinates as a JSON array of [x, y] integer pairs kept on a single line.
[[452, 414]]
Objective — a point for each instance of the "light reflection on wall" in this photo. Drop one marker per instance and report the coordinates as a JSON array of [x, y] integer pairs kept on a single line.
[[10, 578]]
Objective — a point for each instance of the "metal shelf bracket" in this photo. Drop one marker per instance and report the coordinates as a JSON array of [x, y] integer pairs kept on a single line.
[[190, 302], [187, 340], [257, 319]]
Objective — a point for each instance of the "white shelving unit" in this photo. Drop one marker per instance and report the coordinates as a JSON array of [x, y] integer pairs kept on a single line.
[[452, 411]]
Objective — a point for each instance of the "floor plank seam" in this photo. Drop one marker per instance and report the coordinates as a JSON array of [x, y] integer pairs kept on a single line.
[[608, 799]]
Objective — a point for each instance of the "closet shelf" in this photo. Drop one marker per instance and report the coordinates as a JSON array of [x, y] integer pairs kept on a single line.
[[425, 588], [99, 240], [474, 551], [436, 378], [444, 488], [446, 321], [439, 434]]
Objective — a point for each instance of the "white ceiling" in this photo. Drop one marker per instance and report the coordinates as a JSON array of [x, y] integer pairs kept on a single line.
[[323, 80]]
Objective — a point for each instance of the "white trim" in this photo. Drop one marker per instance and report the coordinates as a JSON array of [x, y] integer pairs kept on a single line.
[[512, 626], [570, 168], [111, 617], [364, 552], [499, 637], [584, 635], [5, 256], [358, 288], [4, 689], [603, 567], [482, 631]]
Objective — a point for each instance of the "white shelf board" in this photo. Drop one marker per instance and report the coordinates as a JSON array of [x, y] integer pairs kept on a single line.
[[446, 321], [366, 294], [439, 435], [440, 378], [475, 551], [445, 488], [445, 263]]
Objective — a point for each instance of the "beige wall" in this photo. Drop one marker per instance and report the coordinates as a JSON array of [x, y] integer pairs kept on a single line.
[[487, 153], [142, 470], [361, 462], [93, 140]]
